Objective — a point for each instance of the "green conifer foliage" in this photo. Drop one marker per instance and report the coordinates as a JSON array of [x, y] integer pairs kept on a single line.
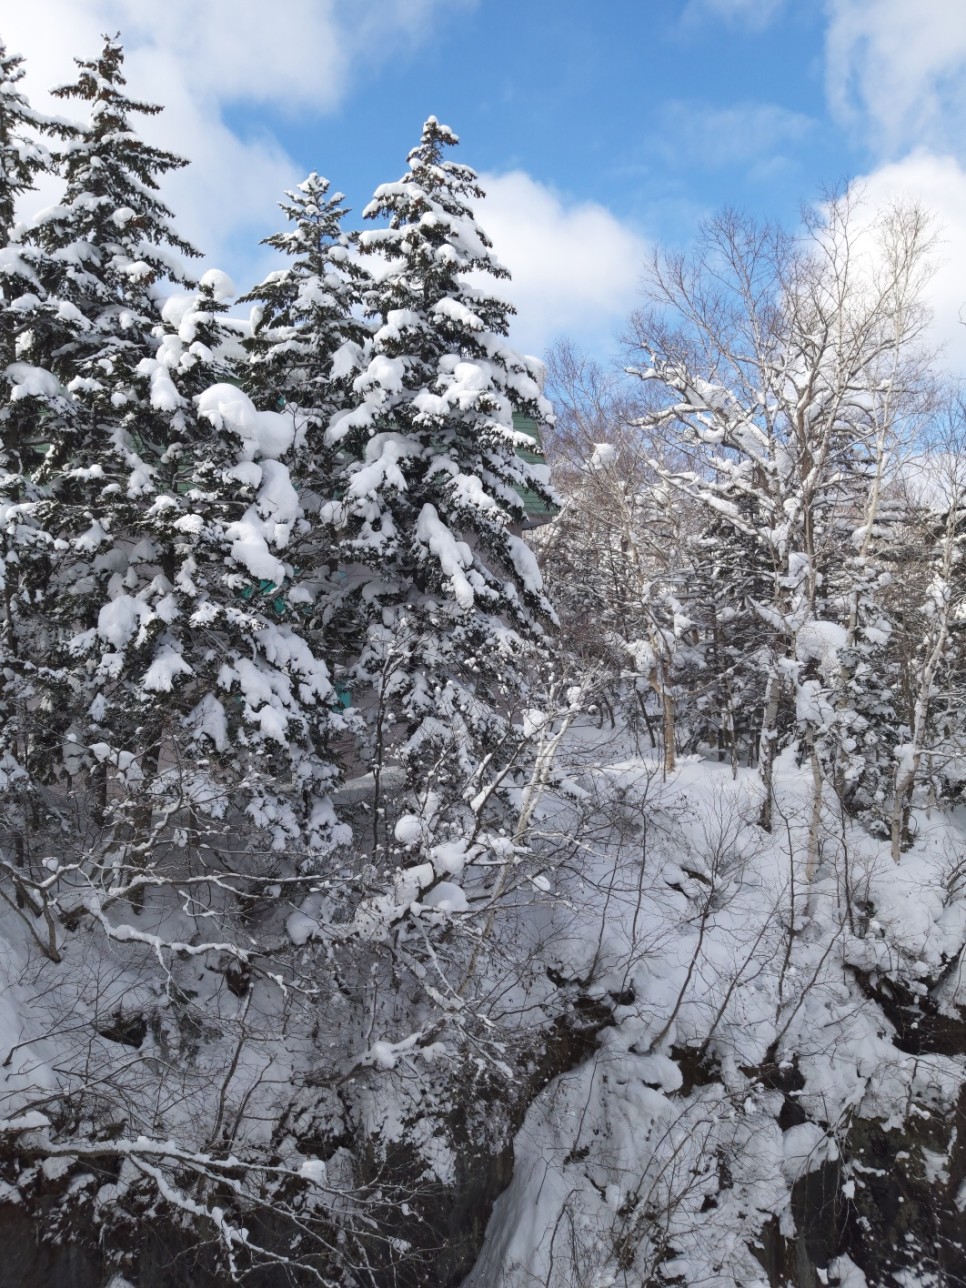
[[431, 481]]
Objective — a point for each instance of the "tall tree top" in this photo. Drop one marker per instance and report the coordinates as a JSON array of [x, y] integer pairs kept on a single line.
[[306, 309], [112, 175], [427, 168], [433, 479], [99, 82], [433, 240], [110, 241], [21, 157]]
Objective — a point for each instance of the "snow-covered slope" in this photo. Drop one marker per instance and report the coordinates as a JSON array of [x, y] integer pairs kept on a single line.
[[774, 1039]]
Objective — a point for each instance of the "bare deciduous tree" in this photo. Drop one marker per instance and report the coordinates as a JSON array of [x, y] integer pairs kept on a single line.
[[789, 368]]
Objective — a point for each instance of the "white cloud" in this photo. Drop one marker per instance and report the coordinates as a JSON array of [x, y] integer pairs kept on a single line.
[[895, 71], [302, 53], [576, 268], [938, 184], [196, 59], [742, 133], [751, 13]]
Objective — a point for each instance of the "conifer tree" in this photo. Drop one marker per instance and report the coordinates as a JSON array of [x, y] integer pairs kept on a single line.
[[307, 345], [99, 257], [430, 482], [217, 669], [304, 317], [21, 156], [110, 235], [23, 315], [165, 670], [30, 396]]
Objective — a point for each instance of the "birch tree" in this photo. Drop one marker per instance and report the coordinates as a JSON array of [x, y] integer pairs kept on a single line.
[[789, 369]]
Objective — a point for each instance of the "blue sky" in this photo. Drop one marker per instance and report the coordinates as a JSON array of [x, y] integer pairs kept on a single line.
[[600, 130], [623, 103]]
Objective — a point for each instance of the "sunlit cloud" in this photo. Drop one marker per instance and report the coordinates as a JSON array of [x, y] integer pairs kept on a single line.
[[196, 60], [938, 185], [576, 267], [896, 72]]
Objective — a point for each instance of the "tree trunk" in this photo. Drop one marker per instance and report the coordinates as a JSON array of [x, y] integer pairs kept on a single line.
[[766, 753]]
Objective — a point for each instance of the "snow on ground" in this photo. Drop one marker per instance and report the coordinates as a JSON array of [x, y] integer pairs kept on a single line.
[[738, 985]]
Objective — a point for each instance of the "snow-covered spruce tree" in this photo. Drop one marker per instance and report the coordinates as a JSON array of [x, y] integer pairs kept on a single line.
[[207, 670], [30, 399], [160, 660], [99, 258], [201, 717], [304, 315], [110, 240], [34, 321], [175, 719], [171, 657], [789, 369], [447, 596], [22, 159], [21, 156], [24, 317], [306, 347]]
